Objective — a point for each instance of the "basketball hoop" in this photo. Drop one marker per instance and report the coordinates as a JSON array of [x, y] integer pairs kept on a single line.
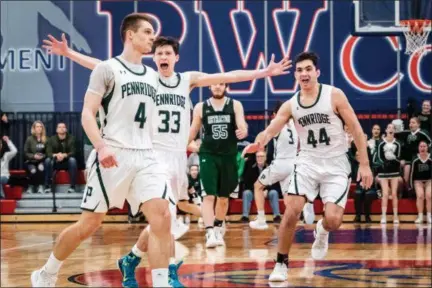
[[416, 35]]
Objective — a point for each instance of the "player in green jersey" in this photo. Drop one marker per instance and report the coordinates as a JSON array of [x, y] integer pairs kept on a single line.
[[224, 123]]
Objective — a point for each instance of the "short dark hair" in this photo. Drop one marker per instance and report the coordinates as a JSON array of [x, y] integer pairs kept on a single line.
[[307, 55], [166, 41], [131, 22]]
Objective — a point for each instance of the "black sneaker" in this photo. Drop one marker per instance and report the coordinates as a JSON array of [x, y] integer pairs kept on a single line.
[[244, 219], [357, 219], [277, 219], [368, 219]]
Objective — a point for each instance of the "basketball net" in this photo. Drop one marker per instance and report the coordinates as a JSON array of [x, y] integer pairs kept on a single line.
[[416, 35]]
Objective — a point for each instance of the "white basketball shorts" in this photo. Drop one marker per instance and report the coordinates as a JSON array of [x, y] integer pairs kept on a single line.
[[138, 178], [175, 164], [328, 177], [278, 171]]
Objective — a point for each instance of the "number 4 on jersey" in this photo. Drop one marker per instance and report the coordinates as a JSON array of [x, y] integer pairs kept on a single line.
[[323, 138], [140, 116]]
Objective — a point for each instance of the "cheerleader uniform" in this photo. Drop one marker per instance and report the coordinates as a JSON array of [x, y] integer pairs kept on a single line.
[[421, 170], [388, 155]]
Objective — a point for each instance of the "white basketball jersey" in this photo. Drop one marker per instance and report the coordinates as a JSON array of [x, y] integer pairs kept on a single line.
[[173, 115], [126, 112], [319, 129], [286, 142]]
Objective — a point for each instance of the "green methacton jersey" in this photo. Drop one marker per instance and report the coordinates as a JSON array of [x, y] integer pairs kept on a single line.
[[219, 129]]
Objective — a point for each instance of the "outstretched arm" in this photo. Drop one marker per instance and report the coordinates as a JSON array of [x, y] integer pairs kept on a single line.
[[200, 79], [276, 125], [196, 122], [61, 48]]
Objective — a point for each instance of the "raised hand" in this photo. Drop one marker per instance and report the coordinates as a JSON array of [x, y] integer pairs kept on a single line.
[[56, 47], [250, 149], [279, 68]]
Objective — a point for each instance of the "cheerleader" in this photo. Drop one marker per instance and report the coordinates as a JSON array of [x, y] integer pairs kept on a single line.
[[420, 179], [388, 154]]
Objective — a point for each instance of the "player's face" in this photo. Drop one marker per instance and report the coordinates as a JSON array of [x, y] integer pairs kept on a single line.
[[306, 74], [376, 131], [218, 90], [165, 59], [142, 39], [423, 147], [413, 125], [426, 107], [390, 129]]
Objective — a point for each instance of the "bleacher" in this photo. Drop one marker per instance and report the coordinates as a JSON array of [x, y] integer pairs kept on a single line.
[[17, 202]]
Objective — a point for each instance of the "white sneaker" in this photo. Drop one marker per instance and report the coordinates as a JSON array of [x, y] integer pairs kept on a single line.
[[280, 273], [383, 220], [40, 278], [419, 220], [429, 219], [41, 189], [258, 225], [395, 220], [211, 241], [219, 236], [179, 230], [308, 213], [320, 245]]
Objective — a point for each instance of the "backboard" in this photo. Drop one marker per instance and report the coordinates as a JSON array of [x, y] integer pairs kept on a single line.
[[382, 17]]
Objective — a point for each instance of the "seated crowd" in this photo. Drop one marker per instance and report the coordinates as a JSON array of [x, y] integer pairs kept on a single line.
[[400, 159]]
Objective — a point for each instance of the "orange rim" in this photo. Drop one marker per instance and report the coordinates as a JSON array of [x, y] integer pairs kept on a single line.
[[416, 25]]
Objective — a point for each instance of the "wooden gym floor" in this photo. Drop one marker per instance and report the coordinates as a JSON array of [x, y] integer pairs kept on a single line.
[[359, 255]]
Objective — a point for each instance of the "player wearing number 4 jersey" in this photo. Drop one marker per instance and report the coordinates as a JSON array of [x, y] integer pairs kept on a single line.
[[321, 167], [171, 124], [124, 167]]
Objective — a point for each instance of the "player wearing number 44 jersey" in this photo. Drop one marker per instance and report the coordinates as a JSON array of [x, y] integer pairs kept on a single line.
[[170, 126], [321, 166]]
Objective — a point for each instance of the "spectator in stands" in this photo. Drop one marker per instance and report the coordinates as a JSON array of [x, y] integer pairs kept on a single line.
[[363, 198], [194, 187], [4, 125], [6, 155], [420, 179], [410, 140], [425, 117], [61, 156], [376, 138], [35, 153], [389, 155], [250, 176]]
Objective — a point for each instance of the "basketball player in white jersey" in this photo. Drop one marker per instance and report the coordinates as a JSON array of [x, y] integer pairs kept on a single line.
[[171, 124], [322, 166], [124, 167], [285, 150]]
